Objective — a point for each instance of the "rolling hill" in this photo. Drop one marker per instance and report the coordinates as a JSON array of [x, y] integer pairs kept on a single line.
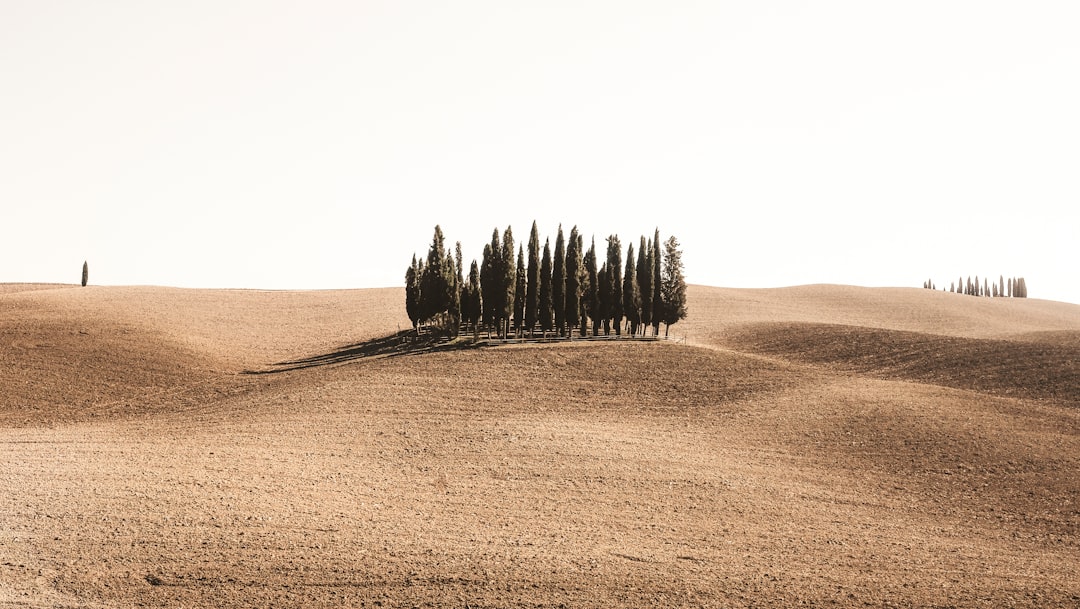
[[814, 445]]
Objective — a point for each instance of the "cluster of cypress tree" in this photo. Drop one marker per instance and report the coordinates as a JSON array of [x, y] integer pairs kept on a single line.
[[1015, 287], [548, 291]]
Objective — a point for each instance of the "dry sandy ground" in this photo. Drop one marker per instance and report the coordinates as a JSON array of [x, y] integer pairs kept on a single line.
[[812, 446]]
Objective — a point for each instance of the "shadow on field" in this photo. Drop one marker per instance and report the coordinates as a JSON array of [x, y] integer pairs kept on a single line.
[[405, 342]]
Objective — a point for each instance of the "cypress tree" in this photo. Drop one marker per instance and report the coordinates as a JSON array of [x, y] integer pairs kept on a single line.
[[644, 277], [85, 273], [412, 292], [1001, 285], [658, 302], [592, 293], [519, 292], [532, 287], [573, 281], [604, 299], [509, 279], [475, 303], [583, 286], [614, 264], [673, 285], [544, 306], [489, 285], [558, 283], [435, 280], [630, 295]]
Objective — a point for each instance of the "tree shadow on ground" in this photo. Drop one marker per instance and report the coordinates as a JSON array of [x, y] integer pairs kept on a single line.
[[405, 342]]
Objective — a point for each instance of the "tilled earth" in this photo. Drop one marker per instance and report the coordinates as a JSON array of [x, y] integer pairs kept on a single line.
[[743, 472]]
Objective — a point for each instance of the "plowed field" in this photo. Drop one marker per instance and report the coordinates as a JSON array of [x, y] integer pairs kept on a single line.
[[810, 446]]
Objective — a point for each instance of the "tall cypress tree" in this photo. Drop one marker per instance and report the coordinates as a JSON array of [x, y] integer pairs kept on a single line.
[[85, 273], [436, 279], [591, 293], [583, 287], [604, 297], [532, 287], [475, 302], [658, 301], [519, 292], [509, 278], [644, 276], [558, 283], [614, 264], [573, 281], [412, 292], [543, 311], [673, 285], [490, 286], [631, 297]]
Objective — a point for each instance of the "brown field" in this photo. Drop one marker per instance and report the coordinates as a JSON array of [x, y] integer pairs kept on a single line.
[[810, 446]]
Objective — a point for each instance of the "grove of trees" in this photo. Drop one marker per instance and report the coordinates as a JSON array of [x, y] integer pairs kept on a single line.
[[1015, 287], [533, 290]]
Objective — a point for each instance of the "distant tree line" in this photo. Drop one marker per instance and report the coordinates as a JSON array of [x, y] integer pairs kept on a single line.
[[1015, 287], [548, 291]]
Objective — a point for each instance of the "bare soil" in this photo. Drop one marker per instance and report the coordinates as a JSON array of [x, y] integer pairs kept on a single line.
[[810, 446]]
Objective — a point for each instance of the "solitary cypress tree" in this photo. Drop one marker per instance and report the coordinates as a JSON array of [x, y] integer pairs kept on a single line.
[[532, 287], [544, 306], [644, 277], [673, 285], [573, 281], [631, 297], [558, 283], [658, 302], [85, 273]]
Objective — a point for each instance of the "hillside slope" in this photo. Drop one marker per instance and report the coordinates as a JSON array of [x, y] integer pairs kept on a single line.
[[819, 445]]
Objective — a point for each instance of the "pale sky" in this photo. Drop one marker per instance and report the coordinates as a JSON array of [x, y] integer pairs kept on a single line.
[[268, 144]]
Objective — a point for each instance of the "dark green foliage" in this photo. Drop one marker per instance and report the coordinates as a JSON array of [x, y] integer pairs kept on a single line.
[[558, 283], [604, 298], [562, 291], [489, 284], [614, 284], [509, 279], [591, 293], [532, 283], [519, 292], [658, 302], [644, 281], [412, 291], [544, 309], [437, 279], [573, 280], [85, 273], [631, 298], [673, 285], [474, 304]]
